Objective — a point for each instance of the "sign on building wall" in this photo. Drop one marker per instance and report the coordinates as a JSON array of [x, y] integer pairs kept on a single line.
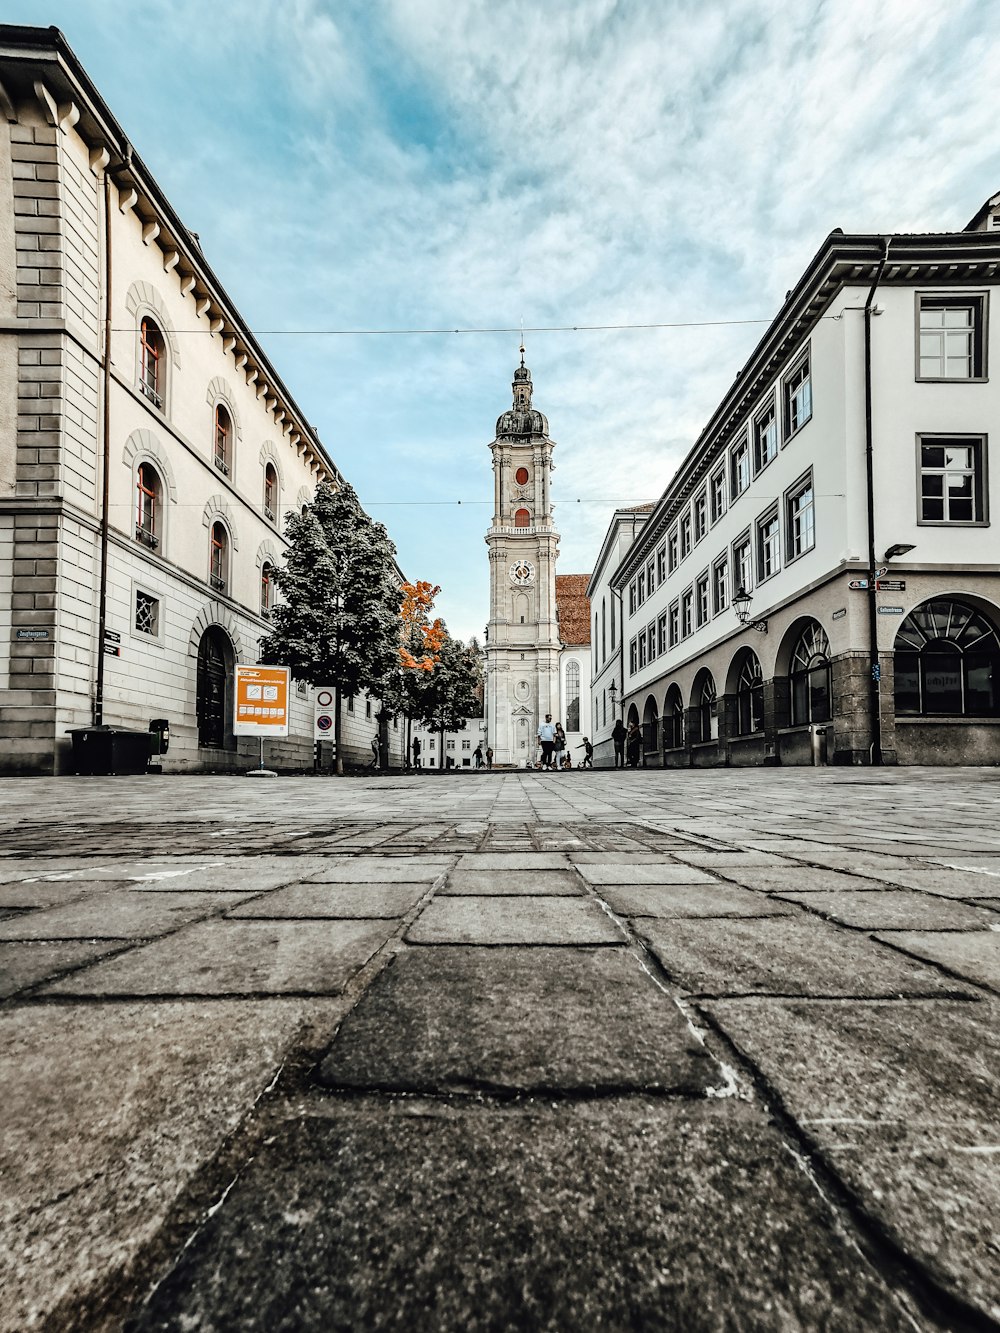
[[261, 701]]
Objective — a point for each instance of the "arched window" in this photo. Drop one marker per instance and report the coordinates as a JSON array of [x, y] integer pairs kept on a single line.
[[749, 697], [214, 674], [218, 557], [223, 439], [522, 519], [148, 510], [152, 362], [947, 660], [673, 720], [270, 492], [266, 588], [810, 677], [571, 708], [708, 711], [650, 726]]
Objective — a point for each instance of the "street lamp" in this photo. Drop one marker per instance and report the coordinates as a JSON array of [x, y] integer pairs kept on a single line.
[[741, 605], [900, 548], [613, 691]]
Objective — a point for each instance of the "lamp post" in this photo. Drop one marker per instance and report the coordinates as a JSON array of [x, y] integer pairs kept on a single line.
[[741, 605], [613, 691]]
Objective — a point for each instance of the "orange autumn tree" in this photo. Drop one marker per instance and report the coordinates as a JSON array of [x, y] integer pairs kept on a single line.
[[421, 639]]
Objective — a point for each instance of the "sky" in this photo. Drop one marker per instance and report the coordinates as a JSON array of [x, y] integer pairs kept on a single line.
[[471, 164]]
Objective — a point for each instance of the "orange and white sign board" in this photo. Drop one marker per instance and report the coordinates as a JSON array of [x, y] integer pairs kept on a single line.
[[261, 701]]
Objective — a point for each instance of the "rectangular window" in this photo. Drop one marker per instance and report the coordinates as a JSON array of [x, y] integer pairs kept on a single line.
[[700, 517], [432, 743], [765, 438], [951, 337], [717, 487], [632, 657], [800, 520], [798, 397], [147, 614], [742, 566], [466, 745], [720, 586], [672, 551], [661, 564], [701, 600], [952, 479], [614, 623], [631, 598], [451, 745], [650, 642], [640, 645], [640, 587], [768, 545], [687, 613], [368, 708], [739, 468], [651, 576], [661, 633], [685, 535], [675, 624], [350, 703]]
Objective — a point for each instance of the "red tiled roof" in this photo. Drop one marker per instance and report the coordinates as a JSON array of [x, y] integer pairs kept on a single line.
[[573, 607], [638, 509]]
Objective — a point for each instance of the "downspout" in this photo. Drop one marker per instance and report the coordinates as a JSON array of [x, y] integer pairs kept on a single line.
[[875, 698], [102, 604]]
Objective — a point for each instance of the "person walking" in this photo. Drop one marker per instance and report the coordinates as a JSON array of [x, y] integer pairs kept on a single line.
[[376, 761], [489, 758], [559, 746], [633, 741], [546, 739], [588, 754], [618, 737], [477, 755], [417, 747]]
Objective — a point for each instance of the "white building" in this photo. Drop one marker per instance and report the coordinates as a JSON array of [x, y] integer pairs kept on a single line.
[[855, 439], [532, 666], [149, 451], [455, 749]]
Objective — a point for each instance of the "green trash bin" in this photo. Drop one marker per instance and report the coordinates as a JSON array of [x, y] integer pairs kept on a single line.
[[103, 751]]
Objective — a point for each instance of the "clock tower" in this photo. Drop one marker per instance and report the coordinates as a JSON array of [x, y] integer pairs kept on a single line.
[[523, 646]]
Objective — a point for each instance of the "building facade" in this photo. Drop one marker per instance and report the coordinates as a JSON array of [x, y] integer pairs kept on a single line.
[[149, 451], [530, 668], [820, 579]]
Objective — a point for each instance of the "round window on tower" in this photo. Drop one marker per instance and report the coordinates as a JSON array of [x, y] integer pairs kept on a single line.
[[521, 476]]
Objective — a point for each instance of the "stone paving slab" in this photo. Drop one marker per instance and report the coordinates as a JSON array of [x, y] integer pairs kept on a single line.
[[25, 964], [107, 1112], [689, 900], [950, 883], [516, 1019], [513, 861], [116, 914], [972, 955], [735, 856], [672, 1219], [624, 858], [382, 870], [610, 873], [357, 901], [903, 1099], [555, 883], [785, 879], [889, 909], [237, 958], [513, 921], [786, 956], [44, 893]]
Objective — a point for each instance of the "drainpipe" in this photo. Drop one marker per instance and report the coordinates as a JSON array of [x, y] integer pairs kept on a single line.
[[102, 602], [875, 696]]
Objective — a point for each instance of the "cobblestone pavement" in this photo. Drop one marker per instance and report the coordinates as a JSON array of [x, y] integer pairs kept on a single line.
[[688, 1051]]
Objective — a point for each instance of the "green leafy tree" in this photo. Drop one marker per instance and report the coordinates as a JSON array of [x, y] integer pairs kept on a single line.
[[453, 690], [338, 621]]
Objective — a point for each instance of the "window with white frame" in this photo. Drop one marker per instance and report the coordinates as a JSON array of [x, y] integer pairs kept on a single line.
[[466, 745], [951, 333], [651, 575], [717, 490], [687, 613], [701, 600], [640, 645], [223, 438], [152, 362], [673, 547], [742, 564], [571, 702], [685, 535], [651, 642], [797, 397], [739, 468], [765, 438], [218, 568], [661, 564], [700, 517], [640, 587], [720, 585], [149, 506], [768, 545], [631, 598], [661, 634], [800, 519], [952, 479], [633, 658], [675, 623], [147, 614]]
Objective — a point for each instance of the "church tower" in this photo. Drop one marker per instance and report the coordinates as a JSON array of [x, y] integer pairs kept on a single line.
[[522, 649]]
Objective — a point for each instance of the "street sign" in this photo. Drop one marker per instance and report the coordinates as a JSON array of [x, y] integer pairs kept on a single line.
[[112, 650], [112, 636], [261, 706], [891, 585], [324, 716], [880, 572], [858, 585], [32, 634], [890, 610]]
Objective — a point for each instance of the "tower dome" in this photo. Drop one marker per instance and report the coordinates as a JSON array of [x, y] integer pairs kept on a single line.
[[522, 419]]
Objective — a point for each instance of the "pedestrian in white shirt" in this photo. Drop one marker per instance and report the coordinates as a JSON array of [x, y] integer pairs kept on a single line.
[[547, 736]]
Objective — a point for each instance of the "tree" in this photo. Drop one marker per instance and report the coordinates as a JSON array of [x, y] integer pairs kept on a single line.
[[453, 690], [338, 621], [420, 641]]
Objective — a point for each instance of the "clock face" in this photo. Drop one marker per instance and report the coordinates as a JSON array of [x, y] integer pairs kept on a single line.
[[522, 572]]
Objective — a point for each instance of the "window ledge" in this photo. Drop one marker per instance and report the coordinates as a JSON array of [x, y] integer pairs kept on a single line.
[[797, 431], [952, 379], [946, 720]]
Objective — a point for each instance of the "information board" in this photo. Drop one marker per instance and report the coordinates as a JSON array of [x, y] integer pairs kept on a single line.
[[261, 707], [324, 720]]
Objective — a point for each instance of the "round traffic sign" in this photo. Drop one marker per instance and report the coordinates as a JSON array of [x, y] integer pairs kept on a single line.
[[325, 698], [324, 722]]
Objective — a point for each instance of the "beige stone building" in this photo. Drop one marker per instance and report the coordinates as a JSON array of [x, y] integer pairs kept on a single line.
[[149, 450]]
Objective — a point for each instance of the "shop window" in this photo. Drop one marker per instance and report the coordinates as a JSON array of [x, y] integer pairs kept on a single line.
[[749, 697], [810, 677], [947, 662]]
